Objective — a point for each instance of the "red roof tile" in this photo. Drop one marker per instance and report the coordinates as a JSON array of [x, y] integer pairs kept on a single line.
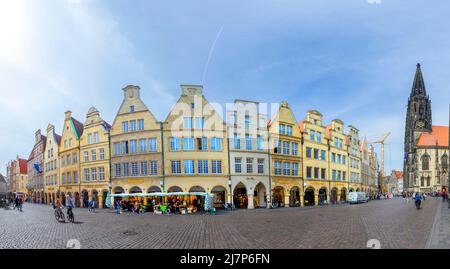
[[437, 137], [398, 174]]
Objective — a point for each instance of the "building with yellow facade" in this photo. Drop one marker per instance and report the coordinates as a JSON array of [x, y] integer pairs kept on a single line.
[[94, 159], [135, 139], [249, 159], [51, 165], [69, 159], [195, 147], [285, 158], [316, 160]]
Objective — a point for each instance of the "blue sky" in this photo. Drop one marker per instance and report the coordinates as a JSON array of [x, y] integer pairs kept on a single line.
[[349, 59]]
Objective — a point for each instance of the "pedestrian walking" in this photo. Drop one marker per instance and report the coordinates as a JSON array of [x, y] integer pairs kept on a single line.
[[90, 205], [93, 206], [21, 204], [118, 206]]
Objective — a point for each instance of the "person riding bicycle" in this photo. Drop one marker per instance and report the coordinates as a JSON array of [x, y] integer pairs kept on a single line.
[[70, 204]]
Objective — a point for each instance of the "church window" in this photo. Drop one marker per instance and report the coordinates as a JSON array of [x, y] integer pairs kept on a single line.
[[425, 162]]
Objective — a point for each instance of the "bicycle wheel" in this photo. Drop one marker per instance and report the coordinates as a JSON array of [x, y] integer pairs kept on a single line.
[[59, 216], [71, 217]]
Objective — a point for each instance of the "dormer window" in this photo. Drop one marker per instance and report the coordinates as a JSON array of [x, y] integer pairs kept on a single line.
[[131, 108]]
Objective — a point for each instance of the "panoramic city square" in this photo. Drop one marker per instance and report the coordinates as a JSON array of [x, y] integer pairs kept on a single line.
[[394, 223]]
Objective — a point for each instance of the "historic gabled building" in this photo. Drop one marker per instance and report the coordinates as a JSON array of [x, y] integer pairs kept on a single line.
[[69, 156], [94, 159], [426, 146], [354, 161], [338, 155], [249, 159], [136, 150], [315, 159], [35, 185], [285, 155], [51, 165], [17, 174], [195, 147]]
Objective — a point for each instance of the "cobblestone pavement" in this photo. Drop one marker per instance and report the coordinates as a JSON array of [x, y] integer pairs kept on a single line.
[[394, 223], [440, 238]]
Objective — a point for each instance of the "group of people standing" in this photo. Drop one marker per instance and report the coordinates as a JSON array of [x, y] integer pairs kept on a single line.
[[18, 203]]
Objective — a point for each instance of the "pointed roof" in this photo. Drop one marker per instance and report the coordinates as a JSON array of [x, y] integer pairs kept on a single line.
[[78, 127], [418, 87], [23, 166]]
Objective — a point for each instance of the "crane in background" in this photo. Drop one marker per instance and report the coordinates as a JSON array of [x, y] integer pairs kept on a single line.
[[381, 141]]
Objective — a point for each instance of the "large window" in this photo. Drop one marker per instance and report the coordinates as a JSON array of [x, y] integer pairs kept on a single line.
[[144, 168], [202, 167], [89, 139], [134, 168], [238, 165], [117, 148], [199, 122], [322, 155], [188, 122], [94, 155], [259, 143], [319, 137], [308, 152], [248, 143], [142, 145], [216, 167], [277, 147], [216, 144], [202, 143], [126, 169], [102, 153], [95, 137], [175, 144], [425, 162], [175, 167], [125, 126], [154, 167], [133, 125], [308, 172], [133, 146], [294, 149], [152, 144], [295, 169], [277, 166], [312, 135], [94, 174], [188, 143], [237, 142], [249, 165], [189, 167], [289, 130], [286, 148], [86, 175], [316, 154], [86, 156], [141, 124], [282, 129], [287, 169], [260, 166], [101, 173], [117, 169]]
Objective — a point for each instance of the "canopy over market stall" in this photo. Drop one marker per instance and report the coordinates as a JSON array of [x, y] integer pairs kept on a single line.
[[208, 198]]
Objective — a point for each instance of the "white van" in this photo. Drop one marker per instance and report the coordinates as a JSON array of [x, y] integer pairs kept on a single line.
[[357, 197]]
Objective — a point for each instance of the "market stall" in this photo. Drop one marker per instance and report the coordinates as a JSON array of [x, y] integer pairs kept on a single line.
[[167, 202]]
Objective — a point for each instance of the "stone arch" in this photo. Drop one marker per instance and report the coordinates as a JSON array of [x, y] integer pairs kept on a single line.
[[322, 196], [135, 189], [153, 189], [294, 196], [174, 189], [240, 196], [278, 196], [118, 190], [196, 188], [309, 197], [260, 195], [343, 195], [220, 194], [334, 195]]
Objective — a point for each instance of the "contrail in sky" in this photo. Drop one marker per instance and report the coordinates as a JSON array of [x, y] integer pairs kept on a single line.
[[210, 53]]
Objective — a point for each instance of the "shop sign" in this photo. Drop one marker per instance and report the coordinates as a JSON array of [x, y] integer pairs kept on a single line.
[[135, 181]]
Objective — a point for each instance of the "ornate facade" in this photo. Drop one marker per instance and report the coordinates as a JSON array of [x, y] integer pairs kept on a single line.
[[426, 146]]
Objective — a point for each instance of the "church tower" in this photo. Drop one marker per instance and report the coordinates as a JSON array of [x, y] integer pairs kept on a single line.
[[418, 120]]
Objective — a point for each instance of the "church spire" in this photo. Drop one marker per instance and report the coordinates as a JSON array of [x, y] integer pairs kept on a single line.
[[418, 87]]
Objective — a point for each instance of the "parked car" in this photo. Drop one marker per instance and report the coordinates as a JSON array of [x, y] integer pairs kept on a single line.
[[357, 197]]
